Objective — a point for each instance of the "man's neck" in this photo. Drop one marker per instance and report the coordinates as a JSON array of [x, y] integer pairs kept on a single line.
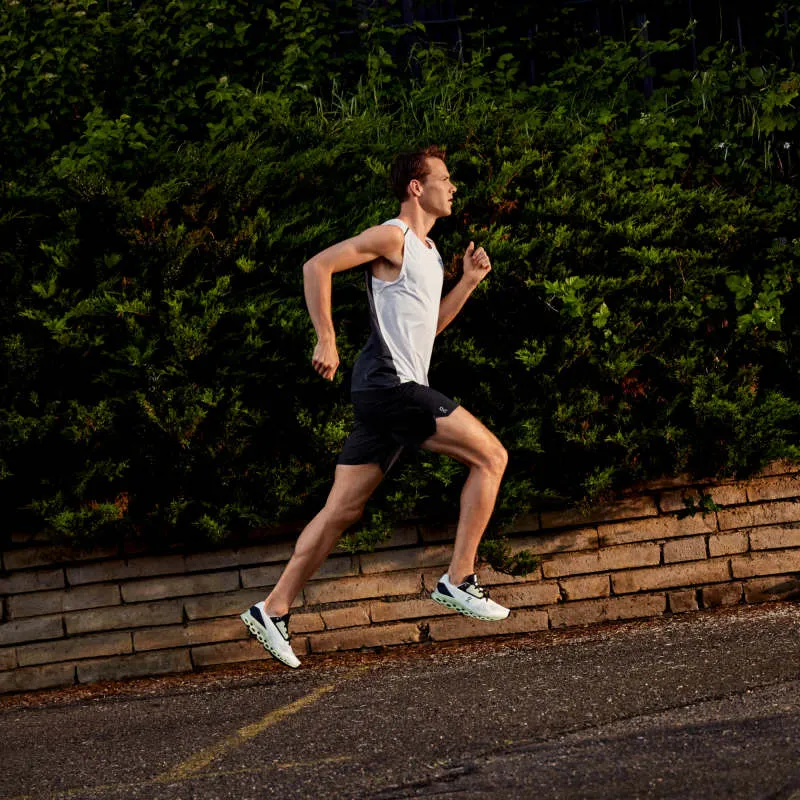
[[418, 220]]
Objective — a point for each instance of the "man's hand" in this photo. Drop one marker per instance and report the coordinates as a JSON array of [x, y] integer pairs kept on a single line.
[[476, 264], [325, 359]]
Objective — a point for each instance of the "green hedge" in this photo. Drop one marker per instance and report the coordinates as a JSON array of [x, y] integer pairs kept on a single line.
[[640, 318]]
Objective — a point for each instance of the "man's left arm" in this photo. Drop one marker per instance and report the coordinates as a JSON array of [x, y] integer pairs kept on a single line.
[[476, 268]]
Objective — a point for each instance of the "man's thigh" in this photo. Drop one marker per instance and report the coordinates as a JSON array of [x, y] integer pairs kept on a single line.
[[464, 437], [353, 484]]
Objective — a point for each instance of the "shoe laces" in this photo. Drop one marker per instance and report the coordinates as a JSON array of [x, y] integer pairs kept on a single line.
[[483, 592]]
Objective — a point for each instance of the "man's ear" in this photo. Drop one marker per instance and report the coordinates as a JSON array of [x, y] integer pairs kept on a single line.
[[415, 187]]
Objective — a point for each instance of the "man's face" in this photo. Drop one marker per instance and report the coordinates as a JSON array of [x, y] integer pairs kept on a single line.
[[437, 189]]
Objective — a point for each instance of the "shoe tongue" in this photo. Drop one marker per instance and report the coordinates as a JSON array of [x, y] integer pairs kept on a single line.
[[473, 579]]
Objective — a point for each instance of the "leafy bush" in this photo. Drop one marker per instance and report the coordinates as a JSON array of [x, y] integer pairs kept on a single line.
[[640, 318]]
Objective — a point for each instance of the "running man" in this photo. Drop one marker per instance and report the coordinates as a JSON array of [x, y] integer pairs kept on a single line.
[[394, 406]]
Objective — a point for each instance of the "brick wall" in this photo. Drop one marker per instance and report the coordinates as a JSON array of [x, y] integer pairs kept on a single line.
[[108, 613]]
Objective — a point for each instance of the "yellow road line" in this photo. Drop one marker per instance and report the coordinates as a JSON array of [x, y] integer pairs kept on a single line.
[[204, 757], [190, 768]]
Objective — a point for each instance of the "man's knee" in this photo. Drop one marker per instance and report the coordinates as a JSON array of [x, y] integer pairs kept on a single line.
[[494, 459], [345, 515]]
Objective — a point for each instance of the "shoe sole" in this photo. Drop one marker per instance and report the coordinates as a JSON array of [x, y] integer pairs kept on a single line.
[[450, 603], [256, 631]]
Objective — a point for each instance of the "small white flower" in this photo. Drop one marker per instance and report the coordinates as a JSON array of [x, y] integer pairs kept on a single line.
[[786, 145], [224, 80], [210, 26], [175, 62]]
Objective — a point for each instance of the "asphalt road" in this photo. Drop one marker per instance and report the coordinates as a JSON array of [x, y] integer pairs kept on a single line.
[[702, 705]]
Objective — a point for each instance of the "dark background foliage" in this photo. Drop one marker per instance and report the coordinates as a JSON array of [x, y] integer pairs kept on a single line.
[[167, 169]]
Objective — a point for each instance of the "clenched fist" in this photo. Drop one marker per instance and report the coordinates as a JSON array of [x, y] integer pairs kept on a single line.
[[476, 264], [326, 358]]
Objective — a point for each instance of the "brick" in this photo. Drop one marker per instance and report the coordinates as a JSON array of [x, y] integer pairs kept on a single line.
[[231, 652], [274, 552], [664, 482], [774, 587], [461, 627], [402, 536], [26, 537], [417, 557], [779, 467], [95, 644], [730, 495], [566, 541], [32, 581], [765, 514], [532, 594], [438, 533], [160, 588], [491, 577], [398, 583], [690, 549], [381, 611], [345, 617], [8, 658], [626, 508], [663, 577], [35, 603], [138, 615], [372, 636], [118, 570], [38, 603], [310, 621], [31, 630], [97, 573], [766, 563], [47, 556], [134, 666], [261, 576], [603, 559], [773, 488], [727, 594], [724, 544], [651, 529], [775, 536], [247, 650], [220, 559], [218, 630], [529, 521], [683, 600], [587, 612], [26, 680], [332, 567], [583, 588], [225, 603]]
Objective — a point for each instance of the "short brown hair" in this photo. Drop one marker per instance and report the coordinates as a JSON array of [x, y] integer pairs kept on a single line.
[[409, 166]]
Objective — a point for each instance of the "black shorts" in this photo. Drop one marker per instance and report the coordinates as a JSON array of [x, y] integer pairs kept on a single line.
[[388, 420]]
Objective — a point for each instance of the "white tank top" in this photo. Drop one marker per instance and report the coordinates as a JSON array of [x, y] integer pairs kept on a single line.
[[403, 318]]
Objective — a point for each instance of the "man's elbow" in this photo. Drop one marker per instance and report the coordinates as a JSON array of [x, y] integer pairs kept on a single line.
[[315, 269]]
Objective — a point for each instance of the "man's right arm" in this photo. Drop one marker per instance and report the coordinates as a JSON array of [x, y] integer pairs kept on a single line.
[[380, 240]]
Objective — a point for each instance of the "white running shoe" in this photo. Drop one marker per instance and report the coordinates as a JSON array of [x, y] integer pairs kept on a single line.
[[272, 632], [468, 598]]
